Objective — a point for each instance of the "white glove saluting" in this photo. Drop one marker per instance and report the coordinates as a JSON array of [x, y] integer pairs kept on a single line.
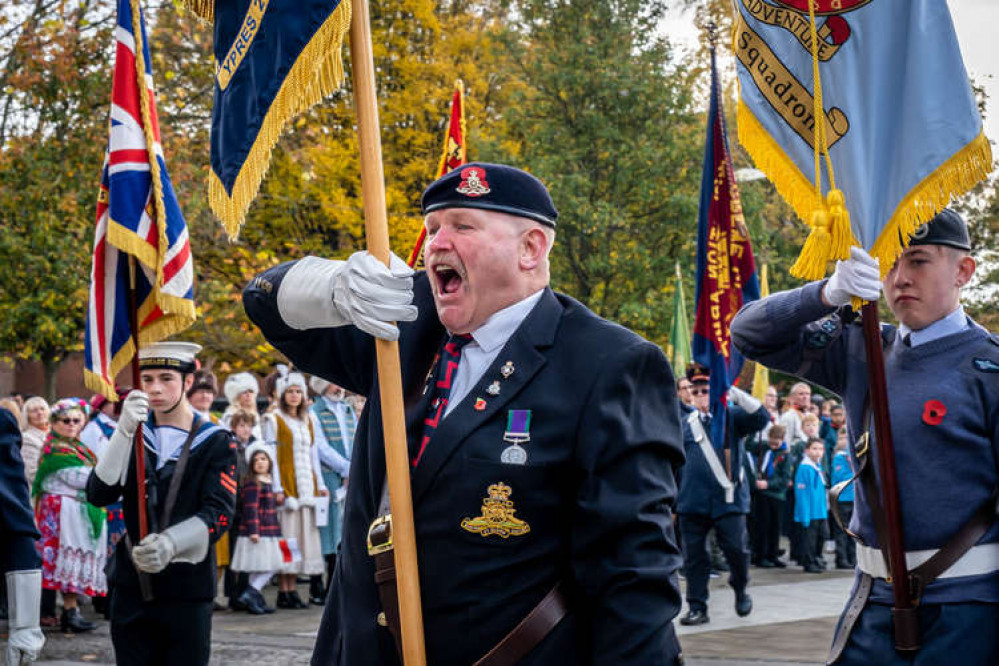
[[187, 541], [857, 276], [112, 467], [24, 593], [365, 293]]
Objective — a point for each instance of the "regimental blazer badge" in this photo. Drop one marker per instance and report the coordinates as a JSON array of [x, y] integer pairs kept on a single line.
[[497, 515]]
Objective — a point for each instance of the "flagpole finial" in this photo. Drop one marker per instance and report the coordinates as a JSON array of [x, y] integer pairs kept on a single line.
[[712, 30]]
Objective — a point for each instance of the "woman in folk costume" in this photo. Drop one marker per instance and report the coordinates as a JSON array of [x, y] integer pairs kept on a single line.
[[241, 391], [35, 425], [293, 430], [338, 421], [74, 532], [258, 552]]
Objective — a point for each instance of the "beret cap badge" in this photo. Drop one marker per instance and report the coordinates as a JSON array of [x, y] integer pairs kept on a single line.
[[473, 182]]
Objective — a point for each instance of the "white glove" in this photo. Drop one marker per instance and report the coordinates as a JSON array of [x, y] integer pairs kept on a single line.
[[857, 276], [187, 541], [365, 293], [290, 503], [112, 466], [24, 593], [739, 398]]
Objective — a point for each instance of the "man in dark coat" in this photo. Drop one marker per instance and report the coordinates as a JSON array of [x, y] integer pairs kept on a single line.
[[174, 627], [21, 564], [714, 494], [544, 440]]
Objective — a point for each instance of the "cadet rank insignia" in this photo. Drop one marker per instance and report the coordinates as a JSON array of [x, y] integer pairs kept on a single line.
[[497, 515]]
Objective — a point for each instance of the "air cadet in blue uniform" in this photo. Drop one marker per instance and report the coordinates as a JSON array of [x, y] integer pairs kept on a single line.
[[19, 561], [942, 370], [190, 469], [712, 497], [543, 439]]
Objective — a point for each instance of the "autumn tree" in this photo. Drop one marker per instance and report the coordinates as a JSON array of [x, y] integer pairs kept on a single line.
[[53, 126]]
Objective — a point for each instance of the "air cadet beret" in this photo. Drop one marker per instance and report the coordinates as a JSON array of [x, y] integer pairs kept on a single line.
[[947, 228], [491, 187]]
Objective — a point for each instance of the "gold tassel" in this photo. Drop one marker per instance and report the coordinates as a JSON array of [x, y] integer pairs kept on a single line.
[[811, 263], [317, 73]]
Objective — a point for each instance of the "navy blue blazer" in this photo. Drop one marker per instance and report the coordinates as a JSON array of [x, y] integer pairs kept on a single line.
[[700, 493], [17, 522], [597, 491]]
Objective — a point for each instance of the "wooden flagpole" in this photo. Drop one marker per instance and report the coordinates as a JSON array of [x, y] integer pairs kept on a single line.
[[904, 619], [138, 443], [389, 370]]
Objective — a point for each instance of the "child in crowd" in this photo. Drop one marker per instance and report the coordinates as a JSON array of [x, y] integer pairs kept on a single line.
[[257, 549], [842, 470], [773, 472], [810, 509], [244, 424]]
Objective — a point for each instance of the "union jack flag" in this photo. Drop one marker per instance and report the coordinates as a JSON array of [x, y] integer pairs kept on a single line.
[[134, 220]]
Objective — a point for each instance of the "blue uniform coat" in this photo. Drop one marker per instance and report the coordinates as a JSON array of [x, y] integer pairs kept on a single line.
[[597, 490], [17, 522]]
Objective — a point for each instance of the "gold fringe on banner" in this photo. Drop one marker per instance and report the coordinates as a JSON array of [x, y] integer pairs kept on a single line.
[[317, 72], [965, 169], [203, 9]]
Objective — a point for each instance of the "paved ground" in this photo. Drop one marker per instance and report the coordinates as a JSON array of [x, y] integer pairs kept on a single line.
[[792, 622]]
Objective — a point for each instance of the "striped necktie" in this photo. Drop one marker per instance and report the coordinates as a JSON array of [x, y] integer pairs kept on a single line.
[[447, 370]]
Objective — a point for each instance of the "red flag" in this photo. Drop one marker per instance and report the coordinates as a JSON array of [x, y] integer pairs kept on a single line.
[[452, 157]]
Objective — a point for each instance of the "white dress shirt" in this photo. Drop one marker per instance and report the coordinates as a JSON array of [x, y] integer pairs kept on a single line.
[[955, 322], [487, 341]]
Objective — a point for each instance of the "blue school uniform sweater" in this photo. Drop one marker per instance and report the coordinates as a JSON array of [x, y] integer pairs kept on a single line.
[[809, 493]]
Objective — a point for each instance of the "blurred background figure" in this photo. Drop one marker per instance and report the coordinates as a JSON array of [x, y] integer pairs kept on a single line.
[[34, 431], [73, 544]]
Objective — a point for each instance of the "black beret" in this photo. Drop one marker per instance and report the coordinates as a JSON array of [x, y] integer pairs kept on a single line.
[[491, 187], [947, 228]]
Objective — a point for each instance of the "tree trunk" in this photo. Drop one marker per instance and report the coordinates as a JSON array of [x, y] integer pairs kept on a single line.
[[50, 365]]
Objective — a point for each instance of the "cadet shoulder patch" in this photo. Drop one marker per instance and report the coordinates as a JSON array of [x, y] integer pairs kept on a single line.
[[985, 365]]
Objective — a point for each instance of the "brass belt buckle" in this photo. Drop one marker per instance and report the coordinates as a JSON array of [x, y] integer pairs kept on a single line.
[[381, 532]]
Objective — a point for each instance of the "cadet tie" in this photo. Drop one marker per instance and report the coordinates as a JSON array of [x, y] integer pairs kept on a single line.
[[447, 368]]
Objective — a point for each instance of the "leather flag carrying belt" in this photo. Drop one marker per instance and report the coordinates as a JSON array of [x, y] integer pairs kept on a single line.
[[919, 576], [510, 650]]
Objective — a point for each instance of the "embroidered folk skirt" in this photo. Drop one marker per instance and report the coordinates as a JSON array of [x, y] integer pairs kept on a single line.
[[72, 559]]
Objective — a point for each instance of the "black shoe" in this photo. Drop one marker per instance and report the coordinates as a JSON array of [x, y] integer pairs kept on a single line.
[[296, 601], [811, 568], [261, 601], [283, 601], [317, 595], [779, 564], [236, 603], [765, 564], [250, 602], [72, 621], [694, 617], [743, 604], [843, 565]]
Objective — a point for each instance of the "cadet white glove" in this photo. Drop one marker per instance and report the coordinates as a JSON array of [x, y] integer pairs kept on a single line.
[[24, 593], [857, 276], [365, 293], [187, 541], [290, 503], [112, 467], [739, 398]]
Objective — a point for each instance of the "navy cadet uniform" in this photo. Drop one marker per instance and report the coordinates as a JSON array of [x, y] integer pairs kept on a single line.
[[702, 503], [591, 507], [20, 562], [175, 627], [944, 407]]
